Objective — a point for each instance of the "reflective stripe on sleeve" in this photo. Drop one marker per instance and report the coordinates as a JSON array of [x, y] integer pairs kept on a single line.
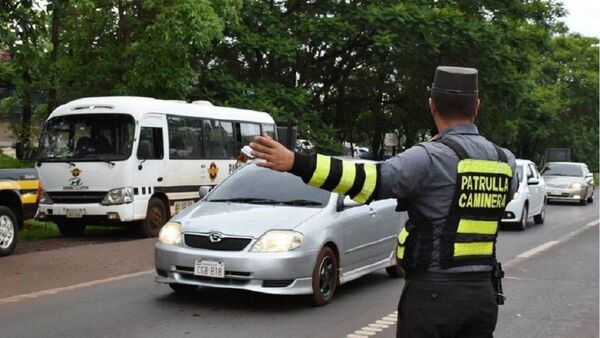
[[468, 226], [402, 236], [321, 171], [348, 176], [484, 167], [369, 186], [473, 249], [400, 252]]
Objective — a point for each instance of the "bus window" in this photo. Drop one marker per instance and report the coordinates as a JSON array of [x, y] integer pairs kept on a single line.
[[151, 144], [248, 131], [269, 129], [185, 137], [219, 142]]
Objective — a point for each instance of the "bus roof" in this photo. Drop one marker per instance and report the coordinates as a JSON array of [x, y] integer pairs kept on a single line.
[[138, 106]]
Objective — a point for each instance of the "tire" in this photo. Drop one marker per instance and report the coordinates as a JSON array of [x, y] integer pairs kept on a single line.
[[70, 228], [324, 277], [156, 217], [522, 225], [9, 231], [591, 198], [184, 289], [395, 271], [539, 218]]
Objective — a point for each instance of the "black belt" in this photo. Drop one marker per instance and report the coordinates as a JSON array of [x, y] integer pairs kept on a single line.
[[445, 277]]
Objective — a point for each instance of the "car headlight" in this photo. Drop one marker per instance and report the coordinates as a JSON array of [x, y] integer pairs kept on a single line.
[[576, 185], [278, 241], [170, 234], [118, 196], [45, 198]]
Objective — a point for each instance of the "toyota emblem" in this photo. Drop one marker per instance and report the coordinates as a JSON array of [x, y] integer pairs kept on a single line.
[[215, 237]]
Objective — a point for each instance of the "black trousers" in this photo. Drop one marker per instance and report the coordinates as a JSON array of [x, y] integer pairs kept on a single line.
[[432, 309]]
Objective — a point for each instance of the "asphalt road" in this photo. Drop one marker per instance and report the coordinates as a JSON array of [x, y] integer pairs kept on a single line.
[[552, 289]]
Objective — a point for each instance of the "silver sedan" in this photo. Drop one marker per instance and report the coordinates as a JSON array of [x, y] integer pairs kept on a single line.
[[265, 231]]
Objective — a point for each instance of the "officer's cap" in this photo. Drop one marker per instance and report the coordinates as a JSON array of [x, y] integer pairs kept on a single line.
[[455, 80]]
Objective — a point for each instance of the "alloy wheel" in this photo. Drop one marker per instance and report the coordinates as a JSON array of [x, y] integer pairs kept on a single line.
[[7, 232]]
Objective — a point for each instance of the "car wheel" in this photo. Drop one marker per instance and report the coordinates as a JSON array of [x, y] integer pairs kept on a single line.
[[183, 288], [70, 228], [524, 216], [156, 217], [539, 219], [591, 198], [324, 277], [395, 271], [9, 231]]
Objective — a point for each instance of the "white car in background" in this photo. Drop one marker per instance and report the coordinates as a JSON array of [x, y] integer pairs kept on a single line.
[[530, 198]]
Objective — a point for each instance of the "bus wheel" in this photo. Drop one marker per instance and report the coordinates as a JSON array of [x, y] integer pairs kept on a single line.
[[156, 217], [70, 228]]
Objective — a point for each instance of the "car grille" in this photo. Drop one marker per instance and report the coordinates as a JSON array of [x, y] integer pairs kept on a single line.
[[212, 280], [72, 197], [226, 244]]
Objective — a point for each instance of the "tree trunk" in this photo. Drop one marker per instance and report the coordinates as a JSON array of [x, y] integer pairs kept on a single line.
[[58, 6], [25, 130]]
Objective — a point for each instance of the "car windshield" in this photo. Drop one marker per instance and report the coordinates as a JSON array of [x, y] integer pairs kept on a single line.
[[557, 169], [252, 184], [87, 137]]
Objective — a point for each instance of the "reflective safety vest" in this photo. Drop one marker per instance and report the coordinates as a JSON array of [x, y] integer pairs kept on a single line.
[[468, 236]]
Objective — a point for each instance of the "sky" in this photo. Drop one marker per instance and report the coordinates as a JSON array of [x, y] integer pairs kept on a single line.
[[583, 16]]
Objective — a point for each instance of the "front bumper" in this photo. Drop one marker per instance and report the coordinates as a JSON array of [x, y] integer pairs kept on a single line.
[[568, 194], [513, 211], [92, 213], [281, 273]]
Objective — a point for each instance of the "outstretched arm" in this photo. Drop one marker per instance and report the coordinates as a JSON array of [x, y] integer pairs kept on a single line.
[[357, 180]]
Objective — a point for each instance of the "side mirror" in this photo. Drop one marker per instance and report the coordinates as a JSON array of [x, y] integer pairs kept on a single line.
[[345, 202], [204, 190], [533, 181]]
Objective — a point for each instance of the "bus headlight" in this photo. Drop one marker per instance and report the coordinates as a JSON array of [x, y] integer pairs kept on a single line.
[[170, 234], [118, 196], [278, 241]]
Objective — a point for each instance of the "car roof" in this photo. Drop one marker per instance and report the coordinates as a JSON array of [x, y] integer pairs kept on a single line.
[[521, 161], [569, 163]]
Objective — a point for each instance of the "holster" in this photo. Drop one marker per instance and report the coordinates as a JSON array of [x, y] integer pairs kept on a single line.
[[497, 275]]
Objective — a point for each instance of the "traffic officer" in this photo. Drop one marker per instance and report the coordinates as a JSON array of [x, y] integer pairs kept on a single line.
[[455, 188]]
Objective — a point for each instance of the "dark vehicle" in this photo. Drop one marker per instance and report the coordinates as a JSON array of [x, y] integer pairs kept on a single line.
[[557, 155], [18, 202]]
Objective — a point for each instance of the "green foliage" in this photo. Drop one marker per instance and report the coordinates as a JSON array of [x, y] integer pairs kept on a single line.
[[7, 162], [345, 70]]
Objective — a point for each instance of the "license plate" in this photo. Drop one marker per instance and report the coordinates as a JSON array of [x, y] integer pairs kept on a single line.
[[74, 213], [209, 269]]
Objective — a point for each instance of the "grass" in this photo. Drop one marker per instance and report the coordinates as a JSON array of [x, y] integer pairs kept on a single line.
[[41, 230], [7, 162]]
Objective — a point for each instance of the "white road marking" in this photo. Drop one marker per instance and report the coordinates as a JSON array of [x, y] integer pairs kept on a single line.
[[550, 244], [376, 327], [18, 298], [538, 249]]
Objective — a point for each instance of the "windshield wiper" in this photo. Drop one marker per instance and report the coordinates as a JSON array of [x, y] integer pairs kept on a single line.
[[251, 200], [300, 202]]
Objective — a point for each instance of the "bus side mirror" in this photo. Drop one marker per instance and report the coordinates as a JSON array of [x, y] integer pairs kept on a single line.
[[204, 190]]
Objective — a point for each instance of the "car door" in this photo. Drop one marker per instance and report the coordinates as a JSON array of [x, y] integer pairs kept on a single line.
[[359, 234], [536, 193]]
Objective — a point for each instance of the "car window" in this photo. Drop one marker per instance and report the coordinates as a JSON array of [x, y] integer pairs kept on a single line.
[[562, 169], [533, 171], [263, 185], [520, 173], [528, 172]]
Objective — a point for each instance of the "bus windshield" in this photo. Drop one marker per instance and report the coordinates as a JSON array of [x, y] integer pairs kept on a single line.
[[87, 137]]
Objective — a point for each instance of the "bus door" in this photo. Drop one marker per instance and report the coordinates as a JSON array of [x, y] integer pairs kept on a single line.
[[150, 171]]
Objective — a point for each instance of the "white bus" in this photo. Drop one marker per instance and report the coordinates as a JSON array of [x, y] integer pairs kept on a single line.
[[136, 160]]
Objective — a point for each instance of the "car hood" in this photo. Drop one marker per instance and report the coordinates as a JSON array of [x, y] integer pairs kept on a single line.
[[240, 219], [562, 180]]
